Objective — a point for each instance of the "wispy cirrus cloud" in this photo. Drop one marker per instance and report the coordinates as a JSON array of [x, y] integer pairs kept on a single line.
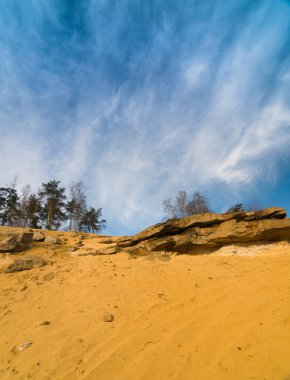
[[141, 100]]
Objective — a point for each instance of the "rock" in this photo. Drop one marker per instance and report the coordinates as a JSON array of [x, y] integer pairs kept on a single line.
[[139, 250], [15, 243], [108, 317], [38, 236], [23, 346], [108, 250], [205, 233], [25, 263], [45, 323], [72, 249], [25, 237], [48, 276], [8, 243], [52, 240], [106, 241]]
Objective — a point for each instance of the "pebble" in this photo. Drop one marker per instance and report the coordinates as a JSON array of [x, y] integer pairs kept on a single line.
[[45, 323], [108, 317], [23, 346]]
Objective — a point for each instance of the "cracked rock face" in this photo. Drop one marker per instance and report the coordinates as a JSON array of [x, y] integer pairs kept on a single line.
[[204, 233]]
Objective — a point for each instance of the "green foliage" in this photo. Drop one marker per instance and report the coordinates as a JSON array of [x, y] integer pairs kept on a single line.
[[9, 205], [49, 209], [52, 212], [91, 221], [236, 208]]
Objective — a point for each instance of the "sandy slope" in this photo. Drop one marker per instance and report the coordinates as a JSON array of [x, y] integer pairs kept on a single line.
[[212, 317]]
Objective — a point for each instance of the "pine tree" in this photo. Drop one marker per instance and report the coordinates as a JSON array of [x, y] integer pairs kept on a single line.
[[9, 206], [92, 222], [52, 198]]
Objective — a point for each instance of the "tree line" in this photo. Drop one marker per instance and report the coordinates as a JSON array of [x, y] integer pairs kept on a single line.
[[185, 205], [50, 208]]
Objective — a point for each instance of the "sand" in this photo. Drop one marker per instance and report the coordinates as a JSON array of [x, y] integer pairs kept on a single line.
[[210, 317]]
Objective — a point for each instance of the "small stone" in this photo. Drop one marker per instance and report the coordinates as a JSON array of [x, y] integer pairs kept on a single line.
[[23, 346], [72, 249], [45, 323], [23, 288], [108, 317], [48, 276]]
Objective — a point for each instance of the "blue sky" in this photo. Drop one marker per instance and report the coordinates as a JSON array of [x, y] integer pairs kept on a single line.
[[140, 99]]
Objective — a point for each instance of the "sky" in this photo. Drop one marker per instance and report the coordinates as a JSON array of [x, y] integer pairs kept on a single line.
[[141, 99]]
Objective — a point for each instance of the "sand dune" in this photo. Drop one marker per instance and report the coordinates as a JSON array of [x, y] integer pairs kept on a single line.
[[210, 317]]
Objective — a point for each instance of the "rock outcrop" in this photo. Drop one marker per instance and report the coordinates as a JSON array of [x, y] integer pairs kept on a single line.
[[205, 233], [15, 242]]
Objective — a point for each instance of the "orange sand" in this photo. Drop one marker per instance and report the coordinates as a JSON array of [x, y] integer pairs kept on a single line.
[[215, 317]]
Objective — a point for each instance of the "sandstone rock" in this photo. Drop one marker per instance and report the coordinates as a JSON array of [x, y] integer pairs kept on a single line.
[[38, 236], [25, 237], [139, 250], [108, 250], [176, 226], [204, 233], [25, 263], [106, 241], [8, 243], [52, 239], [15, 243]]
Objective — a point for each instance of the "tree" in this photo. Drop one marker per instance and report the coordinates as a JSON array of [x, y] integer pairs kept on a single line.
[[253, 205], [198, 205], [52, 197], [33, 211], [23, 205], [77, 205], [91, 221], [184, 206], [9, 206], [238, 207]]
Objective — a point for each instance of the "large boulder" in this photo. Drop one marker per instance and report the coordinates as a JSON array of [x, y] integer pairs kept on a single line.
[[206, 232], [15, 242]]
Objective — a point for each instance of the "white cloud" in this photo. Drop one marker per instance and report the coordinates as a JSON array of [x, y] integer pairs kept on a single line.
[[195, 119]]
